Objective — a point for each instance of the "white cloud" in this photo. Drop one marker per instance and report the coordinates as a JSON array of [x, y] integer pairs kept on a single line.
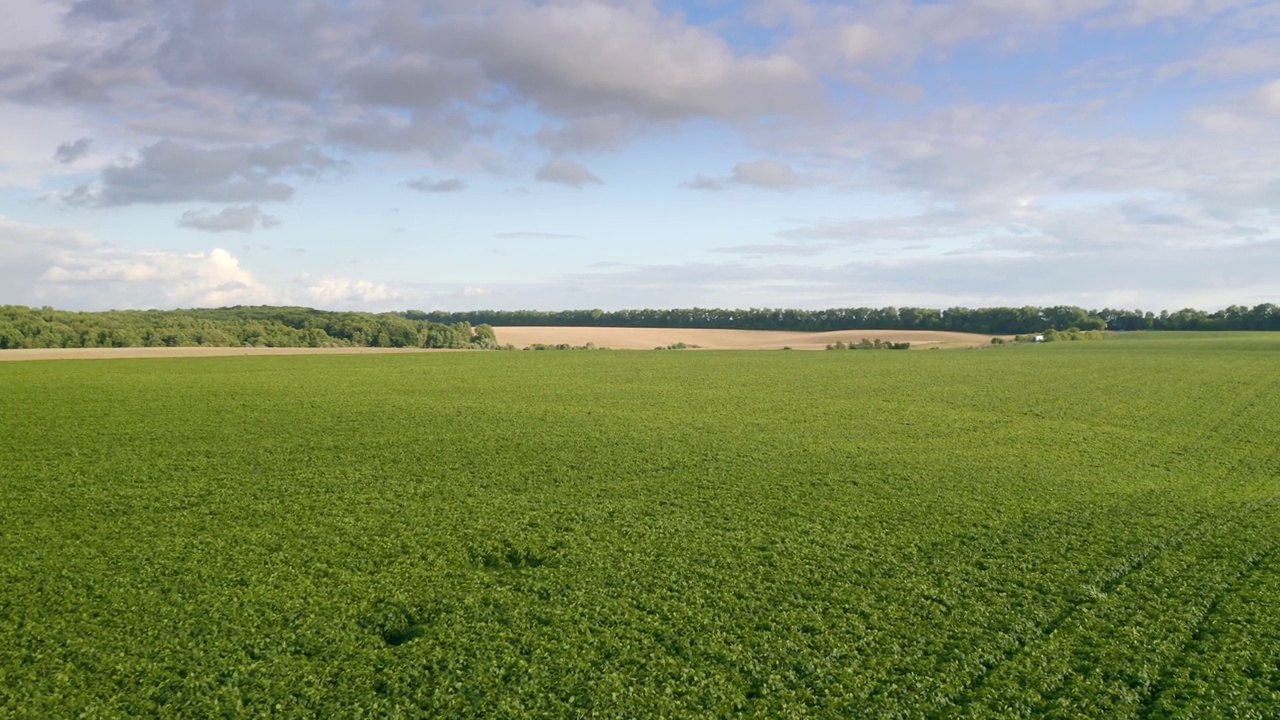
[[567, 172], [340, 293], [533, 235], [1226, 61], [768, 174], [28, 23], [200, 279], [169, 171], [654, 65], [594, 132], [774, 249], [28, 146], [429, 185], [69, 152], [388, 76], [238, 218], [764, 173], [702, 182], [1267, 98], [1144, 12], [1253, 115], [1208, 277], [67, 267]]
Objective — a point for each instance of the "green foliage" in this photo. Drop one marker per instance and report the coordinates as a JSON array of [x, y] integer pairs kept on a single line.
[[1070, 334], [22, 327], [678, 346], [866, 344], [1086, 531], [563, 346]]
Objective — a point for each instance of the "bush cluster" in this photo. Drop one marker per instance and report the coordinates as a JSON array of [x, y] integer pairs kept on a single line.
[[563, 346], [865, 344], [1052, 335]]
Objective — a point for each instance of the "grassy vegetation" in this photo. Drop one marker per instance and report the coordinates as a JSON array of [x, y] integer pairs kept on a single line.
[[1066, 530]]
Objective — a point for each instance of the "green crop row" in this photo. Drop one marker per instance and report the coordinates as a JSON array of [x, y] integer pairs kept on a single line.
[[1083, 530]]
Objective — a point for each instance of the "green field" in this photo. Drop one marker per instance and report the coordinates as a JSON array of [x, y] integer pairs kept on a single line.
[[1075, 530]]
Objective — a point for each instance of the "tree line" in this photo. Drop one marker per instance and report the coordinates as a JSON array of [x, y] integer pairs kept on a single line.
[[263, 326], [990, 321], [24, 327]]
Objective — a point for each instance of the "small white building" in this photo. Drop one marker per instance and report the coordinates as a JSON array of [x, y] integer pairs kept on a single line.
[[1039, 338]]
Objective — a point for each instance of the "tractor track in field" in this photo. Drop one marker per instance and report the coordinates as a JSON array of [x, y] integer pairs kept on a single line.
[[1151, 700], [1171, 542], [1223, 420]]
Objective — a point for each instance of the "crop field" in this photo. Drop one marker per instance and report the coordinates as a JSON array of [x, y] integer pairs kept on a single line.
[[1073, 530]]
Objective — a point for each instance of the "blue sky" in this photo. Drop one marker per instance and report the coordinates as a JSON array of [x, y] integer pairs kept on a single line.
[[450, 154]]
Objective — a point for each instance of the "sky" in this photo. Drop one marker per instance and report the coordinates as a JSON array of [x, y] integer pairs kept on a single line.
[[517, 154]]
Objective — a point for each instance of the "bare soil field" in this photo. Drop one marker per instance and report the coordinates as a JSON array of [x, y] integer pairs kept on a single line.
[[649, 338]]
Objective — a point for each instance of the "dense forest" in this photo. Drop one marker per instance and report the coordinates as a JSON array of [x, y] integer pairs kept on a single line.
[[23, 327]]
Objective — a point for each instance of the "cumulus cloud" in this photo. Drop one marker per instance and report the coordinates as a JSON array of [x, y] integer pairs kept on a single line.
[[247, 47], [436, 135], [70, 152], [241, 218], [655, 65], [340, 293], [702, 182], [390, 76], [168, 171], [28, 155], [766, 174], [595, 132], [67, 267], [567, 172], [414, 81], [996, 161], [428, 185]]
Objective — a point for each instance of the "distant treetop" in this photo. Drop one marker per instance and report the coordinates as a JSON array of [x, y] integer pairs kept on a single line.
[[264, 326]]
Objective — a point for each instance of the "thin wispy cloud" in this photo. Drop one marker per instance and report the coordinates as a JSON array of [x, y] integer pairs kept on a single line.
[[530, 235], [797, 250]]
